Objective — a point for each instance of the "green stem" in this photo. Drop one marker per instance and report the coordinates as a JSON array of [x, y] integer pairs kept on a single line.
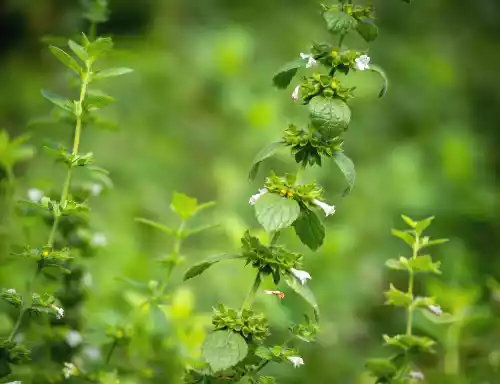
[[409, 321], [111, 350], [92, 31], [179, 237], [452, 358], [18, 324], [341, 40], [275, 238], [247, 304]]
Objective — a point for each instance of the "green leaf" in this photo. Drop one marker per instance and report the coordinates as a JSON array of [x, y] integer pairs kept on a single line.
[[286, 73], [409, 221], [203, 265], [398, 298], [203, 228], [346, 166], [380, 71], [367, 30], [329, 116], [433, 242], [405, 236], [66, 59], [94, 101], [423, 224], [112, 72], [78, 50], [275, 212], [381, 368], [100, 47], [60, 101], [339, 22], [263, 352], [154, 224], [411, 343], [183, 205], [264, 154], [223, 349], [424, 264], [309, 229], [305, 293]]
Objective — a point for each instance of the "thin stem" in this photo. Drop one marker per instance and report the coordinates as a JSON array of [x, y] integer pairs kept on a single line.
[[341, 40], [111, 350], [275, 238], [92, 31], [409, 321], [179, 237], [18, 324], [247, 304]]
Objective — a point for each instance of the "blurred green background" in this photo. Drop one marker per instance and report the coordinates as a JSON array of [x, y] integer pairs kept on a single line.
[[200, 105]]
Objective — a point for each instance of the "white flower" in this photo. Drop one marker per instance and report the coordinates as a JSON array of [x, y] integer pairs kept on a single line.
[[96, 189], [328, 209], [14, 382], [257, 196], [59, 312], [295, 94], [311, 62], [73, 338], [435, 309], [35, 195], [297, 361], [280, 294], [302, 276], [416, 375], [69, 370], [12, 291], [93, 353], [99, 240], [362, 62]]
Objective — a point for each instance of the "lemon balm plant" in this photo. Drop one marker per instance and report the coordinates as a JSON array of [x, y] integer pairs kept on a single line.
[[55, 292], [238, 347]]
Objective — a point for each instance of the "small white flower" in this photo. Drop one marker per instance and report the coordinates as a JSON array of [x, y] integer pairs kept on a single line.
[[93, 353], [99, 240], [12, 291], [302, 276], [311, 62], [14, 382], [435, 309], [73, 338], [96, 189], [328, 209], [295, 94], [59, 312], [257, 196], [297, 361], [280, 294], [416, 375], [35, 195], [362, 62], [69, 370]]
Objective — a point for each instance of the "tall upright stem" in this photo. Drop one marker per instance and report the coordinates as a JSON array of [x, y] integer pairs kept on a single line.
[[409, 321]]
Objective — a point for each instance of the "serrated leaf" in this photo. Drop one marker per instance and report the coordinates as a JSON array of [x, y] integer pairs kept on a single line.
[[100, 47], [346, 166], [411, 343], [287, 72], [112, 72], [385, 79], [405, 236], [66, 59], [264, 154], [78, 50], [274, 212], [309, 229], [223, 350], [367, 30], [398, 298], [203, 265], [339, 22], [424, 264], [60, 101], [329, 116], [305, 293], [154, 224]]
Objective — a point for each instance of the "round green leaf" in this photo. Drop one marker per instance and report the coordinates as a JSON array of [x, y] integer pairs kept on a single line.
[[223, 349], [329, 116], [275, 212], [309, 229], [338, 21]]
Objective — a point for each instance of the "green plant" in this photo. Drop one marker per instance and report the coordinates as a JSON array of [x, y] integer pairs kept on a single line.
[[400, 368]]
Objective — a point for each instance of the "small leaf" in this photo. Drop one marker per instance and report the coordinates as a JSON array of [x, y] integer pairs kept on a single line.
[[346, 166], [100, 47], [203, 265], [183, 205], [223, 349], [305, 293], [309, 229], [422, 225], [275, 212], [434, 242], [112, 72], [424, 264], [78, 50], [203, 228], [381, 368], [59, 101], [66, 59], [329, 116], [264, 154], [380, 71], [161, 227], [339, 22], [411, 343], [405, 236], [398, 298], [263, 352], [285, 74], [409, 221], [367, 30], [95, 102]]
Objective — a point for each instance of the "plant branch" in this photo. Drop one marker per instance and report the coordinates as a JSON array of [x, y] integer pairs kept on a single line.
[[247, 304], [409, 320]]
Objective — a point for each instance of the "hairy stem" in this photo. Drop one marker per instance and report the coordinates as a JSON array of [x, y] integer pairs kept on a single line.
[[247, 304]]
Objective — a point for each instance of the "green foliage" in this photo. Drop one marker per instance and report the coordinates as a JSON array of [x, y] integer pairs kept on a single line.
[[223, 349], [309, 229], [276, 212], [206, 263], [251, 326], [13, 151], [285, 74], [329, 116], [264, 154]]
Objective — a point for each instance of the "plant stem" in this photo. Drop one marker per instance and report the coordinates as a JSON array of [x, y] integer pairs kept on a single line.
[[451, 357], [179, 237], [247, 304], [341, 40], [409, 321], [111, 350]]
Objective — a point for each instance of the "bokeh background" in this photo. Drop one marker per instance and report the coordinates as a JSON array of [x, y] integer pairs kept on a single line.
[[200, 105]]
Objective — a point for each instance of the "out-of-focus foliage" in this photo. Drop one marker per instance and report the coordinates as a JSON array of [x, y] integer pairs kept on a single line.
[[198, 107]]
